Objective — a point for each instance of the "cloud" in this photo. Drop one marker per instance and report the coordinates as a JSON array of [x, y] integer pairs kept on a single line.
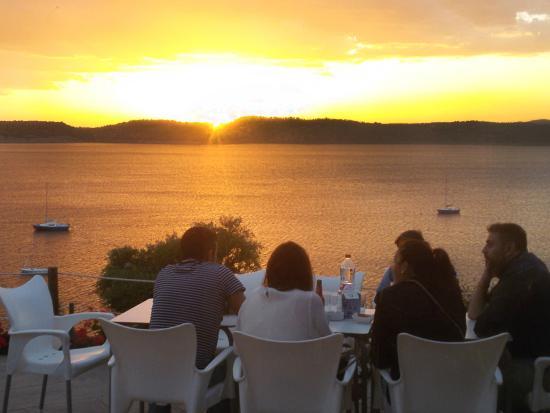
[[512, 34], [23, 70], [43, 42], [526, 17]]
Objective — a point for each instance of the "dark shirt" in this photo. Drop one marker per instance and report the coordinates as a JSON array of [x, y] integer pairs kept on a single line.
[[406, 308], [194, 292], [520, 305]]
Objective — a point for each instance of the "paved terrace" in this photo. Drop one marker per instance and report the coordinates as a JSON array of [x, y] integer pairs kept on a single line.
[[90, 392]]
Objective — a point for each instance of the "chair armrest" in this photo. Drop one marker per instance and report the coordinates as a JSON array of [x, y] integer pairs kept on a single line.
[[66, 322], [385, 375], [217, 360], [348, 374], [19, 340], [227, 332], [31, 334], [238, 375]]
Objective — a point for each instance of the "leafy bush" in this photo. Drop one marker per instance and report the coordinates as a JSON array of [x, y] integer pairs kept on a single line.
[[237, 249]]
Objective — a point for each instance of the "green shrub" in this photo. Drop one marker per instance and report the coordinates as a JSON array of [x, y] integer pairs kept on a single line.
[[237, 249]]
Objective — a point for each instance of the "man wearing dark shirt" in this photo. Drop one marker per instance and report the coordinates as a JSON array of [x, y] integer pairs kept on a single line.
[[518, 304]]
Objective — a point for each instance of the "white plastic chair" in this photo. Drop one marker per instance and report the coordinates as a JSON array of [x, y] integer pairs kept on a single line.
[[286, 376], [332, 284], [445, 377], [39, 341], [159, 366], [251, 280], [539, 399]]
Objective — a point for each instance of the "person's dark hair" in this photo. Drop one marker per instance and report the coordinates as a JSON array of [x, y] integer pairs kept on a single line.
[[197, 242], [410, 234], [419, 257], [289, 268], [510, 232], [434, 270], [443, 262]]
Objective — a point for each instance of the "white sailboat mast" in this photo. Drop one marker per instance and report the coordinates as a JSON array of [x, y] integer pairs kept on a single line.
[[46, 211], [446, 190]]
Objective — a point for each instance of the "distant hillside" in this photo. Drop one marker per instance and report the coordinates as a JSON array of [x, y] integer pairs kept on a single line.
[[330, 131], [137, 131], [283, 130]]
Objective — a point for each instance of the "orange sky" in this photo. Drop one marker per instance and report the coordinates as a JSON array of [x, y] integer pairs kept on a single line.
[[92, 63]]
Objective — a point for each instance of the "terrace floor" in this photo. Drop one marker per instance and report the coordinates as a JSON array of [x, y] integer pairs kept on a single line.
[[90, 392]]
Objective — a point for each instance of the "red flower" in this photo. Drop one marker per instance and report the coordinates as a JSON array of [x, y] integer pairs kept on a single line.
[[98, 340]]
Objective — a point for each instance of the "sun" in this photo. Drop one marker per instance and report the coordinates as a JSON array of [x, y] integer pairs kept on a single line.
[[207, 88]]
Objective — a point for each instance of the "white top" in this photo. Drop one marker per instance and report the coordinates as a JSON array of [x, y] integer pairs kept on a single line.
[[283, 315]]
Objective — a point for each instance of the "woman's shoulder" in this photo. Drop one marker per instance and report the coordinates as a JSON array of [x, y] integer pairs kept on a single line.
[[272, 293], [401, 294], [401, 288]]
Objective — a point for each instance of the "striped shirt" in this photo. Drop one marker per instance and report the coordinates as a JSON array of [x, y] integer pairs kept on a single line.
[[194, 292]]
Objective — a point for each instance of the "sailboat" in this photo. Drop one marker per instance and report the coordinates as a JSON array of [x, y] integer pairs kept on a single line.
[[50, 224], [448, 209], [34, 271], [29, 269]]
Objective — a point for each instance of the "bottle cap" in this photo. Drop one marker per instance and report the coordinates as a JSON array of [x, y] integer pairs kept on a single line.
[[348, 255]]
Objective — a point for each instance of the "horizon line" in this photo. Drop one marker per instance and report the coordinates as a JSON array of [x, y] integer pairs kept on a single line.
[[221, 125]]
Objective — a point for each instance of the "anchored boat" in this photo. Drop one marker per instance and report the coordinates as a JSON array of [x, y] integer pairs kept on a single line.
[[448, 209], [50, 224]]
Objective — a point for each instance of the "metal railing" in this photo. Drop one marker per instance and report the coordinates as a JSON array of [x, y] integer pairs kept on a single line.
[[53, 283]]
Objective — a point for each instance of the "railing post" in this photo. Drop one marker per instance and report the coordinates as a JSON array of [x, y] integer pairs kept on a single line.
[[53, 286]]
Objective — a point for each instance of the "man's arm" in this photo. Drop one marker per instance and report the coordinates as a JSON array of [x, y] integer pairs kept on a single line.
[[235, 300], [479, 298]]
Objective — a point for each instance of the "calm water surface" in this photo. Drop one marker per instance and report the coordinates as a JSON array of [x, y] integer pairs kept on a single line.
[[331, 199]]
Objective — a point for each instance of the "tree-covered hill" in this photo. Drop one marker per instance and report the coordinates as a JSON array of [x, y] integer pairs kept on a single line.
[[137, 131], [283, 131], [330, 131]]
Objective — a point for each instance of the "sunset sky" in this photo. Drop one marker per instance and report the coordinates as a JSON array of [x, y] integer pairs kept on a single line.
[[91, 63]]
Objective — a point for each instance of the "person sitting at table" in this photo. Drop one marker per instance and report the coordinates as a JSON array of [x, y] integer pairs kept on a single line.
[[197, 290], [425, 301], [388, 277], [285, 307]]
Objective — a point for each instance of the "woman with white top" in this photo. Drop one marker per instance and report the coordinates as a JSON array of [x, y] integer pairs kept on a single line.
[[285, 308]]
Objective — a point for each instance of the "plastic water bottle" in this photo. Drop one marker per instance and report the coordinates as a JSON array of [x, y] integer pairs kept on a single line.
[[347, 272], [351, 299]]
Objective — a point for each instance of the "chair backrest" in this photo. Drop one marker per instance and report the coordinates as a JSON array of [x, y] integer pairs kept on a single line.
[[448, 377], [154, 365], [332, 284], [28, 306], [286, 376], [251, 280]]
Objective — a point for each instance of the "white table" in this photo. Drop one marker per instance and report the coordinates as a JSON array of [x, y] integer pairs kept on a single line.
[[140, 315]]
